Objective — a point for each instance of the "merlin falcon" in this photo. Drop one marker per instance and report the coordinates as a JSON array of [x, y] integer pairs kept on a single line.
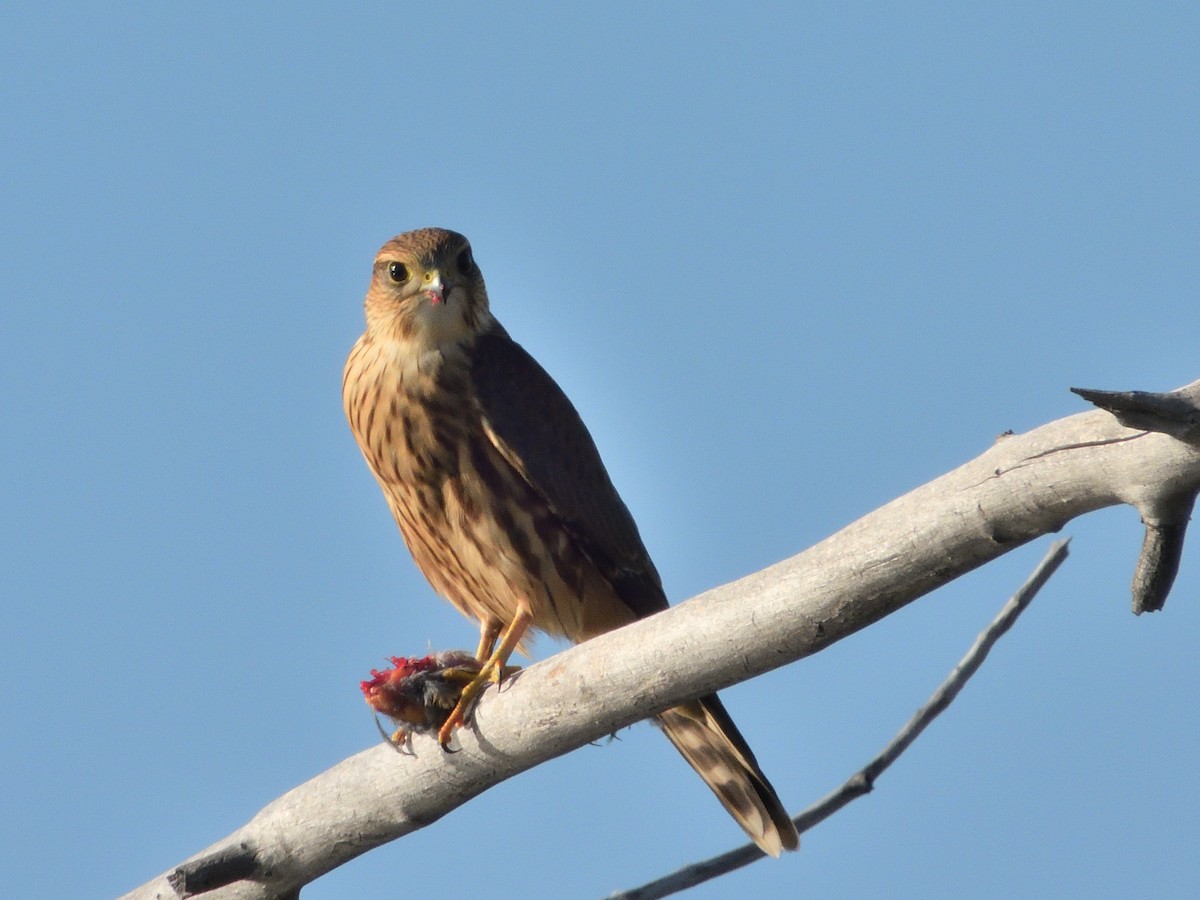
[[502, 498]]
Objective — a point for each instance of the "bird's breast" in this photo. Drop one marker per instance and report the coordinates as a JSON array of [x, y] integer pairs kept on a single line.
[[481, 535], [409, 419]]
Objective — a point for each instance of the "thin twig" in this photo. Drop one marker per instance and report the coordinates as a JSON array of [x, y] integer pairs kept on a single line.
[[863, 781]]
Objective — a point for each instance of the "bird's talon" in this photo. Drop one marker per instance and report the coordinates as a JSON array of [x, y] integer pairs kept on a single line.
[[446, 732], [504, 673]]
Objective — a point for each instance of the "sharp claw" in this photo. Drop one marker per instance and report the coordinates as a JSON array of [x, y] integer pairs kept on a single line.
[[446, 733], [490, 673], [418, 691]]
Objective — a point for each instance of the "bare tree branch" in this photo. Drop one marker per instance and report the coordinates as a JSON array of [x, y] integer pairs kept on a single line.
[[1168, 413], [1022, 487], [235, 862], [1158, 563], [863, 781], [1166, 520]]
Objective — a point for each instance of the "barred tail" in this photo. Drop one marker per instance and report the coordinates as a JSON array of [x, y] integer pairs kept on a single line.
[[706, 736]]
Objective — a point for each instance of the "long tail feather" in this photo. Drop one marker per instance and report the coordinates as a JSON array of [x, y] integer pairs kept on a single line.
[[706, 736]]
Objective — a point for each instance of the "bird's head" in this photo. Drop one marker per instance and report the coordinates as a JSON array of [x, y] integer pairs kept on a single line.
[[427, 289]]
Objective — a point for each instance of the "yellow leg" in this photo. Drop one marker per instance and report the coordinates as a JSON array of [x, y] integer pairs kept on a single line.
[[489, 630], [491, 671]]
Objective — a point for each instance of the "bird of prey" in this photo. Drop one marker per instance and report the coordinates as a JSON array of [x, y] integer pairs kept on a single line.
[[502, 498]]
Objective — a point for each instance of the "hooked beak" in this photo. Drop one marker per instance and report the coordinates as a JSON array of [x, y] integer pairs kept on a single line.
[[435, 288]]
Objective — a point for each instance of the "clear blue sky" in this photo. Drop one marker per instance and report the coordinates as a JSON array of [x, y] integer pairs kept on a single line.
[[789, 263]]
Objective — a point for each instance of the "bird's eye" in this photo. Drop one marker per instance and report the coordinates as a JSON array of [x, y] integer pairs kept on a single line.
[[399, 272], [465, 262]]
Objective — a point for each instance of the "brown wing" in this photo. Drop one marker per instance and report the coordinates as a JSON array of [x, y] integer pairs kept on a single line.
[[536, 429]]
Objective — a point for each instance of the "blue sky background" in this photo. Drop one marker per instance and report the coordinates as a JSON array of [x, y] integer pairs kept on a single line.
[[789, 262]]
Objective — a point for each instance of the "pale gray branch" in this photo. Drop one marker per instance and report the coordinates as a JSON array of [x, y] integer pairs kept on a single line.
[[1166, 518], [1169, 413], [1022, 487], [863, 781]]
